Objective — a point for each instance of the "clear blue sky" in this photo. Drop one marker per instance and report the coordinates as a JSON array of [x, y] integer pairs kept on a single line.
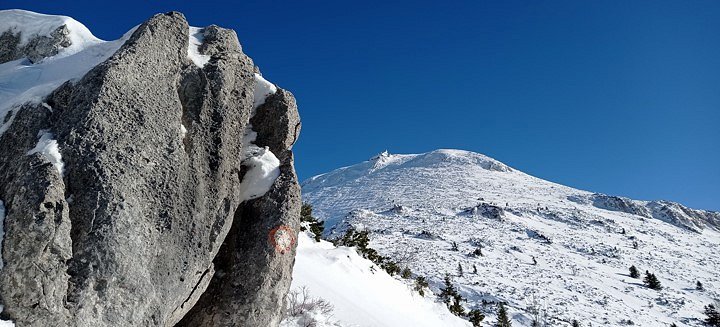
[[620, 97]]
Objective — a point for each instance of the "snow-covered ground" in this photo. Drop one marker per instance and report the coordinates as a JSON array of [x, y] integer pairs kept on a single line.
[[362, 293], [416, 206]]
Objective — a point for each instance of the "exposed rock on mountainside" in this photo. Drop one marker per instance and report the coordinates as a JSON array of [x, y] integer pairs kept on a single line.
[[142, 191]]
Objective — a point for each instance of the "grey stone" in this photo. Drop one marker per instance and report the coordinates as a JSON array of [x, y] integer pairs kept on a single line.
[[145, 226], [254, 269]]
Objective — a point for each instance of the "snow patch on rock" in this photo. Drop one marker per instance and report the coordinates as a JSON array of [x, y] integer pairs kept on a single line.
[[30, 24], [47, 146], [263, 89], [195, 40], [264, 166], [264, 170], [22, 82]]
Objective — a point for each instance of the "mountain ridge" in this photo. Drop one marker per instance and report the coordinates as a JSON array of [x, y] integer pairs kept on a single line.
[[544, 246]]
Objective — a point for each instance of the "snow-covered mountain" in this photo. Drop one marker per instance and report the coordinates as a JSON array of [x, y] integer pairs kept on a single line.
[[416, 206]]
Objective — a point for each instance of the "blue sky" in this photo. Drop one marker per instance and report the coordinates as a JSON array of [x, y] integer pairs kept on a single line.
[[619, 97]]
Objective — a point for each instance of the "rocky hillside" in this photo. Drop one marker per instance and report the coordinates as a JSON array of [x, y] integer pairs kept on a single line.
[[146, 181], [552, 253]]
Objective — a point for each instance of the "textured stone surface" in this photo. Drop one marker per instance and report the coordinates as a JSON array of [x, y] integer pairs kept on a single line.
[[146, 227], [254, 268]]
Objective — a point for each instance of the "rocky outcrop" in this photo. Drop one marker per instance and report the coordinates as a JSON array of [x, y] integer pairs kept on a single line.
[[38, 48], [145, 224], [671, 212]]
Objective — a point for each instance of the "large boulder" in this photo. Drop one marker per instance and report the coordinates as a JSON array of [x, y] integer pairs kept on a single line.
[[143, 222]]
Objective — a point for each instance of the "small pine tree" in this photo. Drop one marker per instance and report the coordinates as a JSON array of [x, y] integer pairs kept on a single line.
[[447, 293], [317, 227], [460, 270], [651, 281], [478, 252], [476, 317], [713, 316], [456, 307], [634, 272], [502, 317], [420, 285], [391, 267], [534, 261], [454, 246], [699, 286], [635, 245], [673, 325], [474, 270], [406, 273], [575, 323]]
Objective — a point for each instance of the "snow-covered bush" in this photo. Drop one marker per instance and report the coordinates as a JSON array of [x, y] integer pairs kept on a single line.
[[307, 311]]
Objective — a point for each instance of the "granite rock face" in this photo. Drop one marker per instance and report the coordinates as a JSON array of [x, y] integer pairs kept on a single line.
[[145, 225]]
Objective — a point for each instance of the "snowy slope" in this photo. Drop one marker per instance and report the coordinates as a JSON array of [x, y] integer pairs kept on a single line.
[[362, 293], [416, 206]]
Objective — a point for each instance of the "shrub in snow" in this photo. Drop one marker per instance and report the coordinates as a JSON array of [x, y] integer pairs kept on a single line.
[[360, 240], [308, 222], [420, 285], [305, 310], [475, 317], [651, 281], [502, 317], [699, 286], [575, 323], [713, 316], [391, 267], [478, 252], [450, 296], [406, 273], [634, 272], [456, 307]]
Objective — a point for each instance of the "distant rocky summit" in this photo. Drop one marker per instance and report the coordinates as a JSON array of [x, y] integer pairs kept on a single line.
[[146, 181]]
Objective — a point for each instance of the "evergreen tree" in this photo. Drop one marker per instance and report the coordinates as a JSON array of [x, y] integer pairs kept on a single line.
[[476, 317], [456, 307], [673, 325], [534, 261], [420, 285], [447, 293], [474, 270], [575, 323], [634, 272], [699, 286], [651, 281], [502, 319], [316, 227], [460, 270], [406, 273], [454, 246], [713, 316], [478, 252]]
